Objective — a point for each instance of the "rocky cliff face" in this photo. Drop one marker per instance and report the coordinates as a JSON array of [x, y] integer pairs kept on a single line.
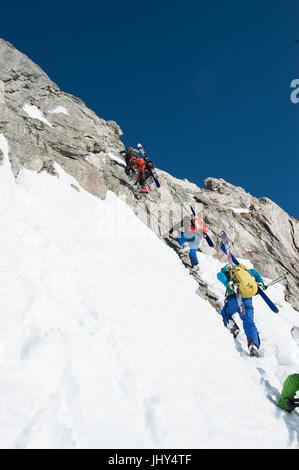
[[44, 125]]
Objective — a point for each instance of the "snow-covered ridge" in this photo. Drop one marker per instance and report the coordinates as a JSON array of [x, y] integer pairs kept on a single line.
[[104, 342]]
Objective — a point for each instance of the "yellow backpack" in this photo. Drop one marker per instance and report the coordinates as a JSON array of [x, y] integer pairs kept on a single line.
[[246, 283]]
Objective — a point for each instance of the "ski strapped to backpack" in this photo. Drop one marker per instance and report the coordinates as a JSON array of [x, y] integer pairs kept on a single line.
[[259, 290], [152, 170], [231, 263], [192, 213]]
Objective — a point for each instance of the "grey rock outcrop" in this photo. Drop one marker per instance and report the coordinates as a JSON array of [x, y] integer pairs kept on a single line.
[[44, 125], [66, 131]]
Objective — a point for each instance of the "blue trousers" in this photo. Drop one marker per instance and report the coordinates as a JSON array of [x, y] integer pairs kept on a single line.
[[193, 239], [231, 307]]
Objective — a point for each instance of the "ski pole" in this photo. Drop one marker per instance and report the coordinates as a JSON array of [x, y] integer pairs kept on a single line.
[[277, 280]]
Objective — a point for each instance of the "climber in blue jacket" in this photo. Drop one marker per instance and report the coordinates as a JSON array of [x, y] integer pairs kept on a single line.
[[231, 307]]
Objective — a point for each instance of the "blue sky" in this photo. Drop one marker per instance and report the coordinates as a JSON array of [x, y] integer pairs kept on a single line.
[[205, 86]]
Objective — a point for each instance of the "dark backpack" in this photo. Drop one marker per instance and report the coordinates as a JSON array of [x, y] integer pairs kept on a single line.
[[131, 152], [149, 164]]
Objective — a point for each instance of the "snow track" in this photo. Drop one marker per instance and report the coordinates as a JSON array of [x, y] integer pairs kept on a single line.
[[105, 344]]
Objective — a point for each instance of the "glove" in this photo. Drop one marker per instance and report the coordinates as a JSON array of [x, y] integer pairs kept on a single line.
[[262, 285]]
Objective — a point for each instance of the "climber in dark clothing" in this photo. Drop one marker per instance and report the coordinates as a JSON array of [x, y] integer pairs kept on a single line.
[[130, 155], [143, 166]]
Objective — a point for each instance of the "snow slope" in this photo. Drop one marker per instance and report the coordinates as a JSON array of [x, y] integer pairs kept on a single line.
[[104, 342]]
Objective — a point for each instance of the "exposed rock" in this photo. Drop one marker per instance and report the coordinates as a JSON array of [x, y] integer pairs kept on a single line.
[[67, 130], [44, 125]]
